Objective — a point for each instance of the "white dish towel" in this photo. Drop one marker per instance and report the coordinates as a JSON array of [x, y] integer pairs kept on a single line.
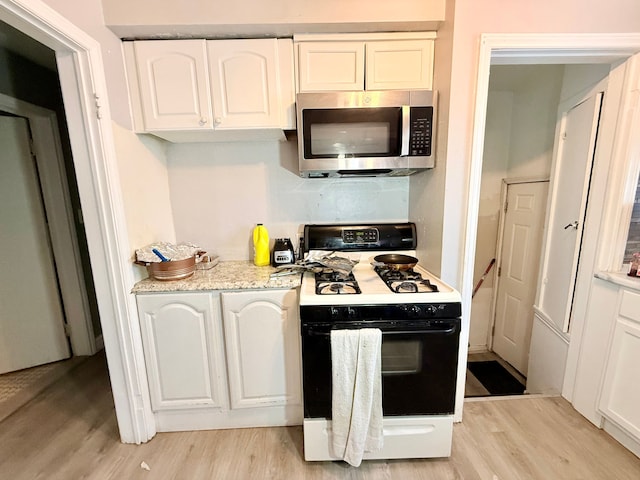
[[357, 393]]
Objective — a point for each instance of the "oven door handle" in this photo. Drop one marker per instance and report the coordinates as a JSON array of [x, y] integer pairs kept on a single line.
[[325, 333]]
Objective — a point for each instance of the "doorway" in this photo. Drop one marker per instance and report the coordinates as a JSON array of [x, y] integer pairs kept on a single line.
[[521, 139], [83, 84], [30, 89], [577, 51], [31, 319]]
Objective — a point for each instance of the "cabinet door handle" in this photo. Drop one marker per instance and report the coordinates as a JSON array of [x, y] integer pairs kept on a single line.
[[217, 121], [202, 122]]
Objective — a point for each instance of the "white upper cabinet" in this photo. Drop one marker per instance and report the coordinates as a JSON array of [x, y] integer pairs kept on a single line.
[[173, 84], [344, 62], [330, 66], [244, 83], [402, 65], [182, 89]]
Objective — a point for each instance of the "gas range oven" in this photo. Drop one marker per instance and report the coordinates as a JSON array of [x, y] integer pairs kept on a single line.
[[419, 316]]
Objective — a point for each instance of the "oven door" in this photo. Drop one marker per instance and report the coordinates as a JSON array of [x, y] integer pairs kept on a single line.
[[419, 366]]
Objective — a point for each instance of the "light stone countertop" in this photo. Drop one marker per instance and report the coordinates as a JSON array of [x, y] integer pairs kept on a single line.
[[621, 279], [231, 275]]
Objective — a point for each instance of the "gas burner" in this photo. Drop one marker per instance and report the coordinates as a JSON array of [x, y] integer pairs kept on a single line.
[[337, 288], [334, 283], [412, 286], [405, 281], [328, 275], [402, 287]]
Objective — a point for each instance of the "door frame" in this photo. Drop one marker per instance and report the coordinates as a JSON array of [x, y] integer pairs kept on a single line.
[[506, 182], [83, 83], [517, 48], [60, 224]]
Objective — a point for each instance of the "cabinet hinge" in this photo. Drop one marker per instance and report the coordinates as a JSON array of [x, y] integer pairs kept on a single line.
[[499, 271], [67, 330], [506, 206]]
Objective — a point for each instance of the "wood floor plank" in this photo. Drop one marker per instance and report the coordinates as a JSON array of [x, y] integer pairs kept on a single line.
[[69, 432]]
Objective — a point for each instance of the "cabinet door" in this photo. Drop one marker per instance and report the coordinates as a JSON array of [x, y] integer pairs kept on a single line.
[[402, 65], [173, 84], [182, 349], [244, 83], [620, 396], [329, 66], [262, 335]]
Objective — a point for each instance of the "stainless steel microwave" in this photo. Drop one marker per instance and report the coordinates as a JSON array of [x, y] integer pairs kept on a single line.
[[370, 133]]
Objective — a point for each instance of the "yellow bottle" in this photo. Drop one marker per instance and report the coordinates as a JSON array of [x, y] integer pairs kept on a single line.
[[261, 256]]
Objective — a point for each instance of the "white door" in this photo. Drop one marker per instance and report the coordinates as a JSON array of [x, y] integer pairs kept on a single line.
[[571, 180], [31, 315], [523, 225]]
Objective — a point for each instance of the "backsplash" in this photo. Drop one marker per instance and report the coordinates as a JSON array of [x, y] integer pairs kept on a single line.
[[219, 191]]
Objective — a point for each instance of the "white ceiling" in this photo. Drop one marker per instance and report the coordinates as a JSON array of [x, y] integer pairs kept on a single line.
[[19, 43]]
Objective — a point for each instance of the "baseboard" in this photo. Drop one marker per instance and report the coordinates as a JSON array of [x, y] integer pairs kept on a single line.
[[477, 349]]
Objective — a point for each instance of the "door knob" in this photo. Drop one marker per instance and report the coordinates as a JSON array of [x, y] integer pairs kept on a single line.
[[572, 224]]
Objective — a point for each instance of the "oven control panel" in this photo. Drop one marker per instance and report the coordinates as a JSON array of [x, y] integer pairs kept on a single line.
[[391, 312], [360, 236]]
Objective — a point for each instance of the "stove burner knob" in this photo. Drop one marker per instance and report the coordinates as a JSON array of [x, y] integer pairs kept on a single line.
[[412, 311], [431, 310], [334, 313], [352, 313]]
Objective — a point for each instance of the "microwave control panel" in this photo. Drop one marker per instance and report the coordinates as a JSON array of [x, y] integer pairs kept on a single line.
[[421, 120]]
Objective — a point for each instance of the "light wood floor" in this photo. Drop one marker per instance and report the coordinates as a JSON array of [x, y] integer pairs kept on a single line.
[[69, 432]]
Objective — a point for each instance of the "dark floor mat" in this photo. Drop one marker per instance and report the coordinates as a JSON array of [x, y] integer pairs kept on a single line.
[[495, 378]]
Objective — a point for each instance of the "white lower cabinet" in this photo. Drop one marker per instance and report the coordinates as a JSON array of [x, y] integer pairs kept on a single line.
[[620, 395], [183, 350], [262, 336], [222, 364]]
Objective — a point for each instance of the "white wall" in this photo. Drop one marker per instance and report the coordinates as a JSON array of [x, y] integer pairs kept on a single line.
[[495, 165], [273, 17], [219, 191], [426, 190]]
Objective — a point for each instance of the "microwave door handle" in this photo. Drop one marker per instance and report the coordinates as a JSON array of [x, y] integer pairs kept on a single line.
[[406, 130]]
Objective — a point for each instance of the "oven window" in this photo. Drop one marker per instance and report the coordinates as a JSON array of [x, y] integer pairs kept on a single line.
[[401, 357]]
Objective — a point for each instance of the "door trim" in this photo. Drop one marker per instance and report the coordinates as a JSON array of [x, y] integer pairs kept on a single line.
[[57, 204], [83, 83], [503, 200]]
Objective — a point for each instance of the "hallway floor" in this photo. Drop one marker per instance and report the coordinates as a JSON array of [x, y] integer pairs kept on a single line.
[[18, 388]]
